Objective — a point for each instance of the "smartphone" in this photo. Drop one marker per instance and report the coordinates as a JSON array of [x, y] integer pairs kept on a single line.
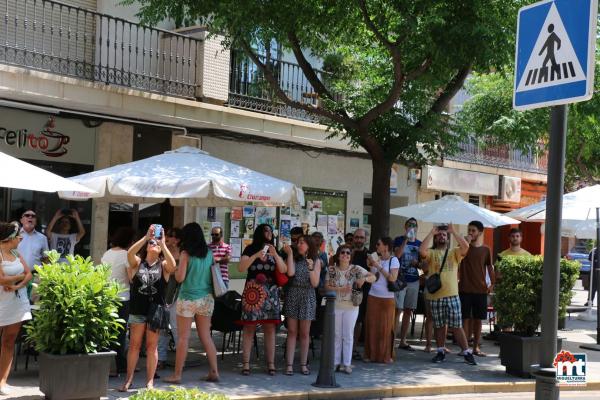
[[265, 249], [66, 211], [158, 231]]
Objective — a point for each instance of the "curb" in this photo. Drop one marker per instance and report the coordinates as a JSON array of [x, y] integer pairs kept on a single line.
[[407, 390]]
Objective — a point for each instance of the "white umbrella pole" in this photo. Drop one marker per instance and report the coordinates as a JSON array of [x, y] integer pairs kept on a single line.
[[588, 315], [135, 218]]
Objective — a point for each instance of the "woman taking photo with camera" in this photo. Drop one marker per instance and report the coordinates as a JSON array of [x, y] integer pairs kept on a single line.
[[150, 264], [14, 303], [381, 305]]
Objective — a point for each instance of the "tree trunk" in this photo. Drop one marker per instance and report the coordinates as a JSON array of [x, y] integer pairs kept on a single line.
[[380, 192]]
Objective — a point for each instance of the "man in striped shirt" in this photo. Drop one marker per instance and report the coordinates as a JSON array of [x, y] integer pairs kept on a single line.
[[221, 252]]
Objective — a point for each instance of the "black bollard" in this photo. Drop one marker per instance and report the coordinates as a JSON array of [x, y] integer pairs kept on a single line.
[[326, 377]]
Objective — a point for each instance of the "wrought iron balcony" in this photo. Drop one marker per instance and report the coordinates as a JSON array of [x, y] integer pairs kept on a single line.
[[248, 88], [55, 37], [502, 156]]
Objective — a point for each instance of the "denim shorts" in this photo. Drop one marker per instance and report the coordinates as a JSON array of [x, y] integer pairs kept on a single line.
[[137, 319]]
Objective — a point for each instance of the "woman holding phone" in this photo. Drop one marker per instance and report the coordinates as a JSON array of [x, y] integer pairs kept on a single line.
[[150, 264], [381, 305], [260, 299]]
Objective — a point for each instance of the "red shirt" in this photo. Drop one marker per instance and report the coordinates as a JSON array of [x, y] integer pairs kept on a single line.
[[221, 250]]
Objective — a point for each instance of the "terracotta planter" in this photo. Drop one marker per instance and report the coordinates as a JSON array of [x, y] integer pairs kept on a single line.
[[75, 376]]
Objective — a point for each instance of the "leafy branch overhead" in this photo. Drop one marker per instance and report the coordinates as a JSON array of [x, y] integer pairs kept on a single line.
[[400, 62]]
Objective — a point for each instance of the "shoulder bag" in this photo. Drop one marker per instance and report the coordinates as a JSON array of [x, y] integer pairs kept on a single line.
[[219, 287], [434, 282], [398, 284], [357, 294]]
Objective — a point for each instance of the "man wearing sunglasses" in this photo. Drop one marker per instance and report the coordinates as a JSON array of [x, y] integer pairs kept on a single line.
[[221, 252], [34, 243]]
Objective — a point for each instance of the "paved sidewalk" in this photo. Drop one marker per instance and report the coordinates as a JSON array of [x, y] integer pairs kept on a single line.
[[412, 374]]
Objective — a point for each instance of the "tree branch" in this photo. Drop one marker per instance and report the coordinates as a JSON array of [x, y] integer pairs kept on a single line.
[[371, 25], [274, 84], [420, 70], [451, 89]]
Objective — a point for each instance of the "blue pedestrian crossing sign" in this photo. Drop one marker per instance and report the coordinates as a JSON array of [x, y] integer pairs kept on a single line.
[[556, 42]]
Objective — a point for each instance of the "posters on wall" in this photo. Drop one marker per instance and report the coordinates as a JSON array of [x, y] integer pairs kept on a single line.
[[236, 214], [235, 229], [314, 206], [236, 249], [248, 211], [332, 225], [265, 215], [248, 226], [354, 223], [245, 243], [284, 231]]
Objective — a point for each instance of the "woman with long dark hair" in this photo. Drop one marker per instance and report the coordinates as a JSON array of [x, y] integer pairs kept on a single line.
[[381, 305], [150, 264], [260, 299], [14, 303], [195, 301], [301, 301]]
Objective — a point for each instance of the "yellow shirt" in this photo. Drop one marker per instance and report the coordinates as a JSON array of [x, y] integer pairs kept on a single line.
[[449, 275], [509, 252]]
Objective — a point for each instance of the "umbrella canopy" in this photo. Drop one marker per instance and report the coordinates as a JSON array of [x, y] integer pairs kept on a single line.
[[19, 174], [577, 206], [186, 174], [453, 209]]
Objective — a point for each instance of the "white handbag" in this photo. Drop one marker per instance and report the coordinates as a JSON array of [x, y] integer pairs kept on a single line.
[[219, 287]]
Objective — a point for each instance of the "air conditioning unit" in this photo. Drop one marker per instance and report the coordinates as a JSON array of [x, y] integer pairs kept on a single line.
[[510, 189], [414, 173]]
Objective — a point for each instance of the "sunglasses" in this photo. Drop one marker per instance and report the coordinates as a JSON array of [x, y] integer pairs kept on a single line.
[[215, 234], [345, 252], [152, 242], [411, 225], [29, 215]]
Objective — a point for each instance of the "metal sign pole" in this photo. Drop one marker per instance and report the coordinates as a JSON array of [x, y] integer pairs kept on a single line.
[[546, 387]]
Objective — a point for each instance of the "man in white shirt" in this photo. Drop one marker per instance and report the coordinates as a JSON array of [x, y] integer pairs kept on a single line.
[[34, 243]]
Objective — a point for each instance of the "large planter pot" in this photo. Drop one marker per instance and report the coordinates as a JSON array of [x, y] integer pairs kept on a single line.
[[75, 376], [519, 353]]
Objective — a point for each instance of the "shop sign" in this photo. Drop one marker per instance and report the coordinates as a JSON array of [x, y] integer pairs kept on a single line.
[[459, 181], [36, 136]]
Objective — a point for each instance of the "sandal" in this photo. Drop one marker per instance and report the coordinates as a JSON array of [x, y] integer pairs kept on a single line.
[[172, 379], [305, 370], [406, 347], [211, 378], [479, 353], [271, 369], [290, 370], [125, 388], [246, 371]]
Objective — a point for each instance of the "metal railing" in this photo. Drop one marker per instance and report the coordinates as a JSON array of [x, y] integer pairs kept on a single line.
[[67, 40], [502, 156], [248, 88]]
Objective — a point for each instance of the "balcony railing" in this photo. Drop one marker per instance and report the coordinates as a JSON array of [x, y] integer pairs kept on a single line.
[[55, 37], [502, 156], [248, 88]]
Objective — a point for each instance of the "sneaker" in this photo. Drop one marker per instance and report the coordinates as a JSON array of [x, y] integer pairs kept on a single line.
[[6, 390], [348, 369], [439, 357], [469, 359]]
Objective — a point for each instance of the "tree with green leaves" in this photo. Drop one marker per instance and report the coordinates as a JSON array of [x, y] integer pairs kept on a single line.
[[391, 66], [488, 116]]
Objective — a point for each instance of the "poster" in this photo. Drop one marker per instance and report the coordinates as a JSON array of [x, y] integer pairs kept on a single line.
[[285, 211], [245, 243], [333, 242], [236, 249], [284, 230], [265, 215], [235, 229], [294, 222], [314, 205], [322, 223], [236, 214], [341, 224], [248, 211], [332, 228], [354, 223], [249, 225]]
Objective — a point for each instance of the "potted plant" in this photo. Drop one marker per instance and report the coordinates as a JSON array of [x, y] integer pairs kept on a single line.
[[74, 326], [518, 300]]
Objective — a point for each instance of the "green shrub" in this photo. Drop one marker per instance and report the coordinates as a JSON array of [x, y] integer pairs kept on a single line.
[[78, 305], [177, 394], [518, 294]]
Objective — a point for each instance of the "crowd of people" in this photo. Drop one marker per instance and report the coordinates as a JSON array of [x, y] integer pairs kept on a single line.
[[376, 292]]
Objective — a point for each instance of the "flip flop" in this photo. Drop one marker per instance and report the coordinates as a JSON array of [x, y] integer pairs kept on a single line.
[[172, 379], [479, 353], [406, 347], [125, 388], [209, 378]]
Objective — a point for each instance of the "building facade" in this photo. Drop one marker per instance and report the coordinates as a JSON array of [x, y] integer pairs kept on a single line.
[[83, 86]]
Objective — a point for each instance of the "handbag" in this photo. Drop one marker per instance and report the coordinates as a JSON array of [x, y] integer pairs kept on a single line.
[[356, 296], [398, 284], [158, 316], [281, 279], [219, 287], [434, 282]]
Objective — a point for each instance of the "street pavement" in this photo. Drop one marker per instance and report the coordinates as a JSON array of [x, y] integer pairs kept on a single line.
[[585, 395], [412, 374]]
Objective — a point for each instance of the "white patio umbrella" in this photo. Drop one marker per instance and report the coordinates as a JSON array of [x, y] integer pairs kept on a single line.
[[453, 209], [186, 175], [18, 174]]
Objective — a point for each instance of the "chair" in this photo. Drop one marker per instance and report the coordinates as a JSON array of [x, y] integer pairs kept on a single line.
[[228, 310]]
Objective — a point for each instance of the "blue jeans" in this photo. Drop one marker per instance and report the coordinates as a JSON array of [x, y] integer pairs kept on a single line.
[[163, 340]]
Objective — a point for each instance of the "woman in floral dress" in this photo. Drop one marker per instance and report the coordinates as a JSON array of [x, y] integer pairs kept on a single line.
[[260, 300]]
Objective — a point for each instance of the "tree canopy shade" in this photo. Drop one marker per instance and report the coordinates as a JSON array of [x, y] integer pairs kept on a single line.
[[489, 115], [391, 66]]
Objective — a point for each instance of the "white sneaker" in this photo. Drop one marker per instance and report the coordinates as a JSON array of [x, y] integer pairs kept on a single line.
[[6, 390]]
